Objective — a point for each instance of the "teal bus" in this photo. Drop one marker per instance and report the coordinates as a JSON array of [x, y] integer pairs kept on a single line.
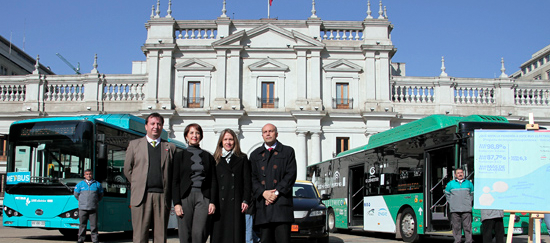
[[47, 158], [395, 183]]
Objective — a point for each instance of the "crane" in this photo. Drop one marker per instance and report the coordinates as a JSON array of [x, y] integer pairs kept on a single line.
[[76, 70]]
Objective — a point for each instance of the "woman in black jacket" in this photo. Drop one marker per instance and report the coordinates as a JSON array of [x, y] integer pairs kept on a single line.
[[234, 173], [194, 187]]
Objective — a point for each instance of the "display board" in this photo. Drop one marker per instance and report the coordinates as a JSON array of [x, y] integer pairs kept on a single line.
[[512, 169]]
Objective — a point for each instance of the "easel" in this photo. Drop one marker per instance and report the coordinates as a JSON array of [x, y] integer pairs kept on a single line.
[[534, 217]]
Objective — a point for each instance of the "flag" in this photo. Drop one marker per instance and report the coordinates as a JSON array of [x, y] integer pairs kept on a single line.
[[270, 1]]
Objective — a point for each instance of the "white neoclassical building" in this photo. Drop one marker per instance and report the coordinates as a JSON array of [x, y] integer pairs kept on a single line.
[[327, 85]]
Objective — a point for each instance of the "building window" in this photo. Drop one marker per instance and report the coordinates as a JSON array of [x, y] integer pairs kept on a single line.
[[548, 75], [268, 99], [3, 70], [538, 77], [194, 100], [342, 144], [342, 100]]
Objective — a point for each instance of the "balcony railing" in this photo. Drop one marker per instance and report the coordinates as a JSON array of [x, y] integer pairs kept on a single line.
[[194, 30], [193, 102], [340, 103], [268, 103], [12, 92], [123, 91], [408, 95], [536, 96], [342, 30]]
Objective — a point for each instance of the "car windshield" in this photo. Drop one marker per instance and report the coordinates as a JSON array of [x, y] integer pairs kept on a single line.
[[304, 191]]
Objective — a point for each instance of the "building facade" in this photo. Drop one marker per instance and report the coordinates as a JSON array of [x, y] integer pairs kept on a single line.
[[326, 85], [536, 68]]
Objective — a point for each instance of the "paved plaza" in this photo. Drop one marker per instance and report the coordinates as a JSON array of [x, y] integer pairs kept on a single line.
[[16, 235]]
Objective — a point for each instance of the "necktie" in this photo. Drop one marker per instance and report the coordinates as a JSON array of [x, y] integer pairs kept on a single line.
[[154, 143], [269, 149]]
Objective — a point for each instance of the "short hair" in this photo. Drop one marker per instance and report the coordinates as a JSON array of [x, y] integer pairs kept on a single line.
[[271, 125], [457, 169], [88, 170], [157, 115], [194, 125]]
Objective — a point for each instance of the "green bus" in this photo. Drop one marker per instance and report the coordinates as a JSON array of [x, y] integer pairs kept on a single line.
[[396, 182]]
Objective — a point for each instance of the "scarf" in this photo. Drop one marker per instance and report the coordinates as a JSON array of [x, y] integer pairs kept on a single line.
[[227, 155]]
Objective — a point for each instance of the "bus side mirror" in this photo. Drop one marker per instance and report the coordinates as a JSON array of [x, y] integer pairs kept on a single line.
[[325, 197], [101, 151], [101, 147], [470, 146]]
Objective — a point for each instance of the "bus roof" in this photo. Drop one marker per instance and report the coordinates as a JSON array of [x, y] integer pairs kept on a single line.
[[418, 127], [125, 121]]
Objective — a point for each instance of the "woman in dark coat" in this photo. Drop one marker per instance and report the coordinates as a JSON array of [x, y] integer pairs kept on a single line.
[[194, 188], [234, 172]]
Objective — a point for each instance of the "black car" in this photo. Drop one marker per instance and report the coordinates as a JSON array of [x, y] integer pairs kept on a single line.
[[309, 213]]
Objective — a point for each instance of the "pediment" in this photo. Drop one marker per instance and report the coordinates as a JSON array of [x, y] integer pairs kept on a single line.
[[342, 66], [268, 36], [268, 64], [194, 65]]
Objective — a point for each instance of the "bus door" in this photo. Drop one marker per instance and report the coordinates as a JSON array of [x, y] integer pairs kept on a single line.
[[439, 166], [356, 194]]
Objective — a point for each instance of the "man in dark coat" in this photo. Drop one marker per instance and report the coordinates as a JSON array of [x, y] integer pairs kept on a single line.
[[273, 176]]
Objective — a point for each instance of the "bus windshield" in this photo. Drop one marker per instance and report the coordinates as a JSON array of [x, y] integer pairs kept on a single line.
[[54, 153]]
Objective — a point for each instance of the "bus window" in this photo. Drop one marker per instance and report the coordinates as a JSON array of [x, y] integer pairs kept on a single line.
[[110, 171], [52, 152]]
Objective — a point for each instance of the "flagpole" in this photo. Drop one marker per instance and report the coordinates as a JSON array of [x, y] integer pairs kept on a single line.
[[268, 8]]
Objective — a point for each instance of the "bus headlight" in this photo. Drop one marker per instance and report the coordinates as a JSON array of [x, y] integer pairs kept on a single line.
[[317, 213], [11, 213], [69, 214]]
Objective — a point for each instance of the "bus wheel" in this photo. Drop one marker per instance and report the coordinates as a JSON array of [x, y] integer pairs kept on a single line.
[[407, 226], [69, 233], [331, 221]]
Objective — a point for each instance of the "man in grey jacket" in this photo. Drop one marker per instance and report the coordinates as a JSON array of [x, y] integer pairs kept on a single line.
[[88, 193], [459, 193], [492, 219]]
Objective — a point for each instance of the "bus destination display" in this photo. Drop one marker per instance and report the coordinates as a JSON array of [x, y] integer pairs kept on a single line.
[[48, 130], [509, 166]]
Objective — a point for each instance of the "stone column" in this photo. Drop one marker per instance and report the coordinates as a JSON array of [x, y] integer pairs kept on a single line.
[[219, 85], [233, 78], [301, 75], [165, 84], [34, 93], [93, 92], [301, 156], [314, 80], [152, 82], [315, 148]]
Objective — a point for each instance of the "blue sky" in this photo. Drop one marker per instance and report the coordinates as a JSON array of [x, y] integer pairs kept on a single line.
[[472, 35]]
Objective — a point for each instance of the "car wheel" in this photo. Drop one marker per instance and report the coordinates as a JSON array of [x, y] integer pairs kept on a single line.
[[331, 221], [69, 233], [407, 226]]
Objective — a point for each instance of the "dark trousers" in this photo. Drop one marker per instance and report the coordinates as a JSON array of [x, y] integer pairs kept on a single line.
[[152, 211], [460, 221], [275, 232], [84, 216], [192, 226], [487, 227]]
